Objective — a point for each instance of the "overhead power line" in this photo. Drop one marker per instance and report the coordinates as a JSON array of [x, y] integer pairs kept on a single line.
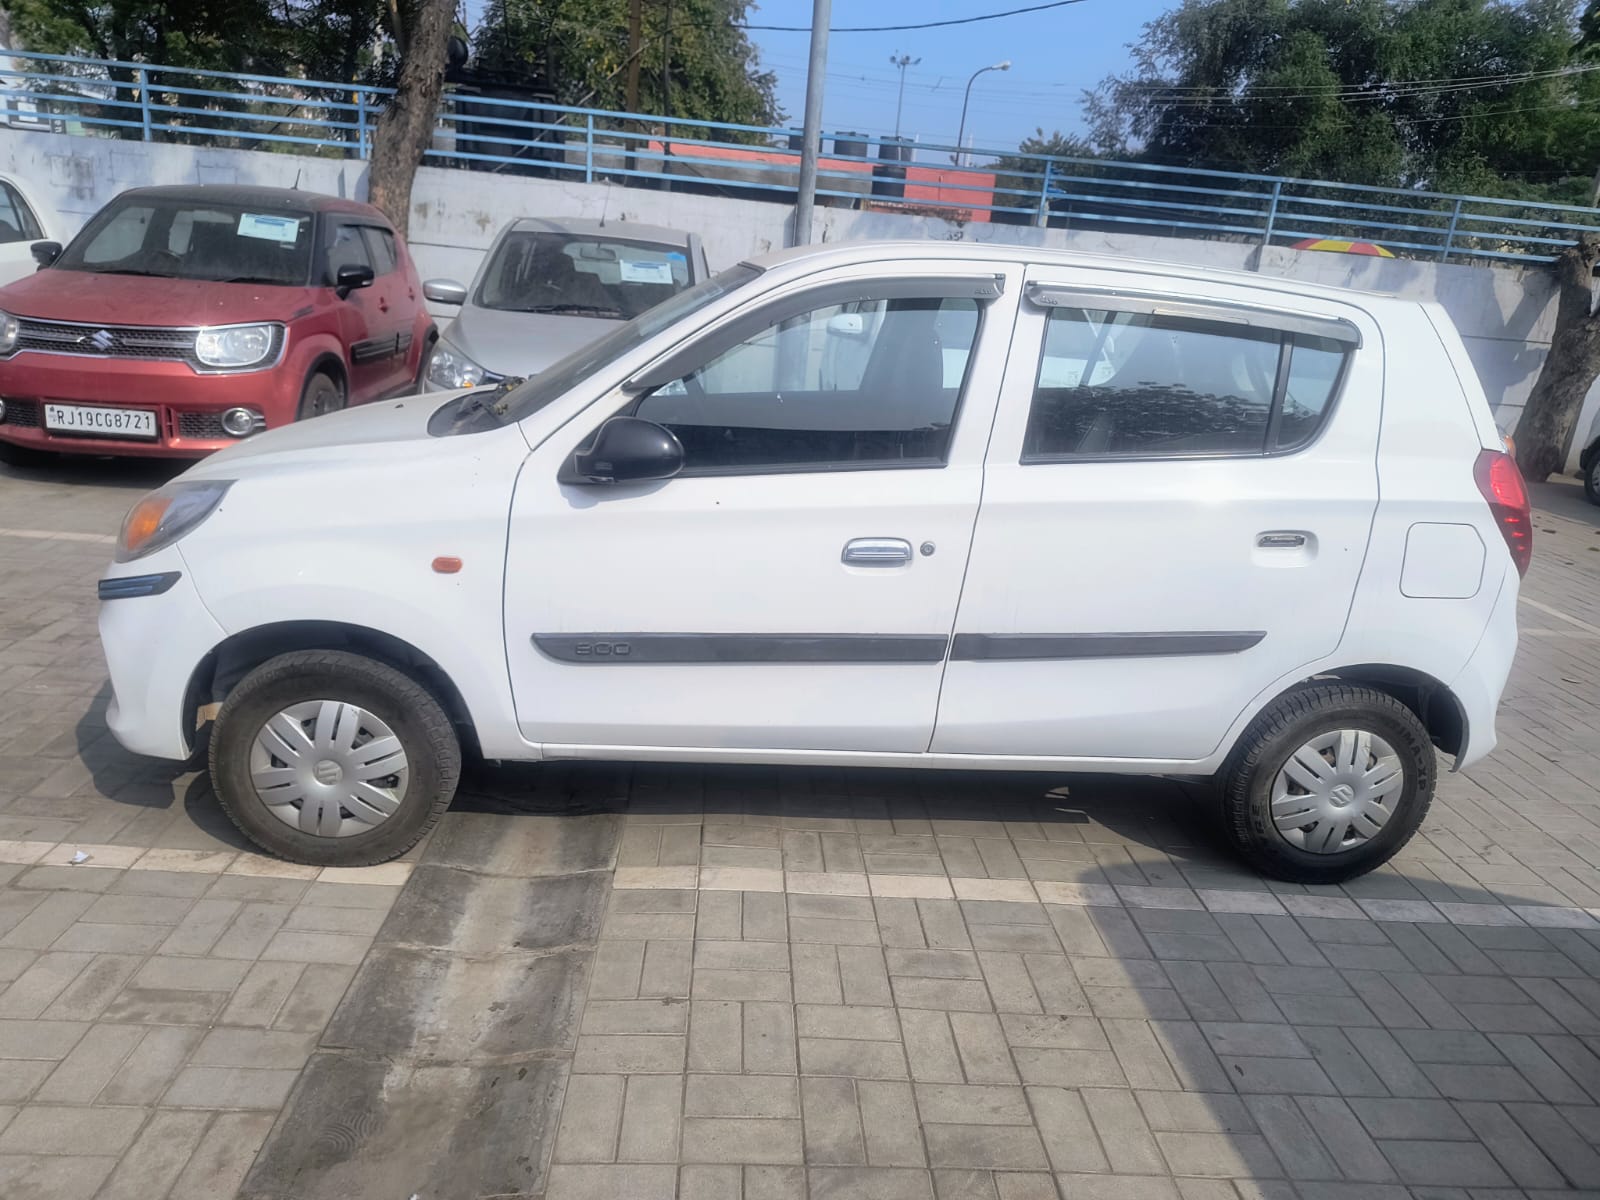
[[994, 16]]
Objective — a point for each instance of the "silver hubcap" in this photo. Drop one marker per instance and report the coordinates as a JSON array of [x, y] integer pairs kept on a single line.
[[1337, 791], [329, 768]]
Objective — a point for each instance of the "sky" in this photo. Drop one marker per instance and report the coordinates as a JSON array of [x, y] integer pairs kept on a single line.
[[1055, 55]]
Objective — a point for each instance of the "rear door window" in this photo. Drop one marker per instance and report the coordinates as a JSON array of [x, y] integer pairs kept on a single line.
[[1115, 384], [380, 248], [17, 222]]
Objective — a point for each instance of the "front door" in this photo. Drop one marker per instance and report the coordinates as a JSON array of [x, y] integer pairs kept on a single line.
[[1175, 513], [794, 587]]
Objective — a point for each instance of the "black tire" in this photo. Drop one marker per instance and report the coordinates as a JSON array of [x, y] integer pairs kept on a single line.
[[416, 718], [1591, 479], [322, 394], [1284, 727]]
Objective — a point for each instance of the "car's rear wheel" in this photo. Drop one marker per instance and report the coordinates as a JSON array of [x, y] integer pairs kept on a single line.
[[1591, 480], [323, 394], [1327, 783], [334, 759]]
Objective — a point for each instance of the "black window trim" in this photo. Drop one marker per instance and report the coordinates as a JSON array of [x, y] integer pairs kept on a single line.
[[982, 288], [1052, 297]]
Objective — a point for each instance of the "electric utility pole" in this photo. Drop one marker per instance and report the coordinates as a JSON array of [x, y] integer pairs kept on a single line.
[[902, 61], [821, 14]]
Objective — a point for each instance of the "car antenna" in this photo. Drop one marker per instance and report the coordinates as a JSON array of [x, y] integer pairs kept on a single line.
[[296, 187], [605, 205]]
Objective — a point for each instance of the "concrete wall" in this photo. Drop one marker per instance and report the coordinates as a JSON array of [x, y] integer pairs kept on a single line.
[[1504, 314]]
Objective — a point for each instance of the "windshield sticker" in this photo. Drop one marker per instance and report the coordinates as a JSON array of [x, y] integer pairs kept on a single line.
[[675, 256], [270, 229], [643, 271]]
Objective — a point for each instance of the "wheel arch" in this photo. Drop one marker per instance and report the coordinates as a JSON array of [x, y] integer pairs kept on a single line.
[[1430, 700], [220, 671]]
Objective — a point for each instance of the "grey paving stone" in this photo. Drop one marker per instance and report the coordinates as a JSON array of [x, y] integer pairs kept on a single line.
[[711, 1182], [1291, 1137], [1510, 1145], [1122, 1187], [972, 1104], [47, 1040], [412, 1128], [1195, 1112], [526, 844], [1445, 1164], [833, 1135], [570, 1181], [152, 1165], [591, 1118], [889, 1123], [859, 1060], [1559, 1141], [650, 1119], [150, 1066], [864, 980], [869, 1183], [1285, 1076], [981, 1046], [314, 997], [50, 1177], [725, 1139], [627, 1054], [847, 1021], [988, 1147], [769, 1038], [69, 1129], [1411, 1119], [1216, 1155], [1480, 1083], [90, 1065], [930, 1046], [472, 914]]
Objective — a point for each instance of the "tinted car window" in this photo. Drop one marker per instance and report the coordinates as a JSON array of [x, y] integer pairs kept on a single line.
[[179, 239], [347, 248], [380, 248], [546, 272], [857, 384], [1315, 365], [17, 223], [1140, 384]]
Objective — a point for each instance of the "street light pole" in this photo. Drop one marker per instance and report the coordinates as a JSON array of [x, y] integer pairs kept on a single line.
[[821, 14], [1003, 65], [902, 61]]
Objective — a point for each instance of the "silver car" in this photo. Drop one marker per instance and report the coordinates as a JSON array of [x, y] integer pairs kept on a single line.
[[547, 287]]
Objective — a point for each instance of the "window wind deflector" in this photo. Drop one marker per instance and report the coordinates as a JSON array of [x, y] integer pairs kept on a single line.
[[982, 288], [1227, 312]]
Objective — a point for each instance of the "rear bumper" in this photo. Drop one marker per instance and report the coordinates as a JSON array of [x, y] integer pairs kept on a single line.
[[187, 405], [152, 646], [1478, 687]]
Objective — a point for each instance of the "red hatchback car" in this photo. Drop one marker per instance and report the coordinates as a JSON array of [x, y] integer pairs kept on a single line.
[[182, 319]]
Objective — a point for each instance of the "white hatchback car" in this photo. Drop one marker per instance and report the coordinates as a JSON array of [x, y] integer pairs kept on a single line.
[[883, 504]]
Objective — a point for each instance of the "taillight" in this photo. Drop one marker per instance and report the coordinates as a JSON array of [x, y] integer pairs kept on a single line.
[[1502, 486]]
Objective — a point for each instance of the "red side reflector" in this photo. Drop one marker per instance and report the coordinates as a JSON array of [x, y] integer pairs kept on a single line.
[[446, 566], [1507, 495]]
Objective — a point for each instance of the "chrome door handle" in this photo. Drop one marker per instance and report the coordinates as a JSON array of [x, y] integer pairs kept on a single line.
[[1281, 540], [876, 552]]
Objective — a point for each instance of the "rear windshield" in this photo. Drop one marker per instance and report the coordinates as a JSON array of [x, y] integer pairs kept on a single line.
[[187, 239], [582, 275]]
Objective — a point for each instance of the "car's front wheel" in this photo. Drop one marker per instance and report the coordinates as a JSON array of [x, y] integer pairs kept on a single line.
[[333, 759], [1327, 783], [1591, 480], [322, 394]]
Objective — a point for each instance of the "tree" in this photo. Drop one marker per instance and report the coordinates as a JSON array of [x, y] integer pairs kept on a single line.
[[1017, 177], [1388, 92], [405, 127], [579, 50], [1570, 368]]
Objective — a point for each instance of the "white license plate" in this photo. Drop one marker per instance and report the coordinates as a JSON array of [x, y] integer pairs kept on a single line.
[[107, 422]]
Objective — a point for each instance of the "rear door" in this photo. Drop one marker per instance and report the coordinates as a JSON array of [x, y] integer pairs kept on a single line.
[[1177, 501], [367, 321], [395, 298], [19, 229]]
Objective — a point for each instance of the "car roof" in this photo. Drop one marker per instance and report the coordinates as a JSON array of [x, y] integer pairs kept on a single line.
[[284, 199], [625, 231], [842, 253]]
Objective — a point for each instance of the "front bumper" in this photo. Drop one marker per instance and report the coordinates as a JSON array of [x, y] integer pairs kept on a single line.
[[152, 645], [188, 406]]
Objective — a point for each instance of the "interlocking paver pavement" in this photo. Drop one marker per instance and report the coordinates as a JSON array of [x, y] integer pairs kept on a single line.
[[753, 984]]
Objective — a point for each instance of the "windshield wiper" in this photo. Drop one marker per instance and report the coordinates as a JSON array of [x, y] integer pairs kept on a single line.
[[241, 279], [133, 271], [598, 310]]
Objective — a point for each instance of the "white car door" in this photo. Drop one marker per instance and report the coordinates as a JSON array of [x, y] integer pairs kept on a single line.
[[794, 587], [20, 227], [1176, 507]]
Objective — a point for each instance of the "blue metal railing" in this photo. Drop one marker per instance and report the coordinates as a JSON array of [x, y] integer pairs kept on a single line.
[[518, 135]]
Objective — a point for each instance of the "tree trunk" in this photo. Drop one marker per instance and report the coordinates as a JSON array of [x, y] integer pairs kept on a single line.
[[405, 126], [1569, 370]]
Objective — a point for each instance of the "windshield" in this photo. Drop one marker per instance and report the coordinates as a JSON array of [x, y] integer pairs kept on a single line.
[[533, 395], [582, 275], [190, 239]]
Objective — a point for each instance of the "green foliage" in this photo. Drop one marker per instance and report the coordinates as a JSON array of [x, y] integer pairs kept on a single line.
[[1328, 89], [227, 35], [579, 49]]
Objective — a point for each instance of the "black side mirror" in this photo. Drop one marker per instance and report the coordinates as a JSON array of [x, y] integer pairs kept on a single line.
[[352, 276], [45, 253], [626, 450]]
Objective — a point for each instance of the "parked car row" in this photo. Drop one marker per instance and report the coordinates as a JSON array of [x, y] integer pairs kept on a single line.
[[182, 320]]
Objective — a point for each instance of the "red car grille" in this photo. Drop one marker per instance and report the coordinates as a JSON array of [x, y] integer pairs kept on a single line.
[[22, 413], [107, 341]]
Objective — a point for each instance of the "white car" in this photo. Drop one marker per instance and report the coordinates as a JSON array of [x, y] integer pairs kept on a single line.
[[1160, 520], [22, 223]]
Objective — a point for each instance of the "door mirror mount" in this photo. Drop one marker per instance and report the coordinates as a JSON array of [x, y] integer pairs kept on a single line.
[[350, 277], [445, 291], [625, 450], [847, 325], [45, 253]]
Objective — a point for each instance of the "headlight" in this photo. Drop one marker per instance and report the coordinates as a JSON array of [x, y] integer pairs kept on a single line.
[[449, 369], [164, 516], [10, 329], [234, 345]]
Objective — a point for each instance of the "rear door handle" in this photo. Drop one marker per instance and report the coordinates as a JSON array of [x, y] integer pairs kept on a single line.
[[876, 552], [1281, 540]]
